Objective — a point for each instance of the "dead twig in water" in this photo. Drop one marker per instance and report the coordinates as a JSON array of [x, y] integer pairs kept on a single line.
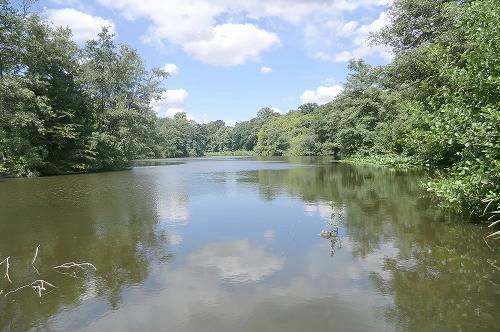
[[73, 264], [6, 261], [492, 264], [37, 285], [34, 259], [71, 274]]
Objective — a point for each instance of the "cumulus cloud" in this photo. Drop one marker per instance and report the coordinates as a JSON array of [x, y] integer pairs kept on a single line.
[[322, 95], [170, 103], [232, 44], [206, 30], [348, 39], [171, 68], [84, 26], [265, 70], [276, 110], [230, 123], [73, 3], [192, 26]]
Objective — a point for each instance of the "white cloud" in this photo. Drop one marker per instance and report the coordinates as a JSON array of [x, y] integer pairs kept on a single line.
[[209, 32], [232, 44], [72, 3], [84, 26], [230, 123], [348, 39], [265, 70], [171, 68], [376, 25], [276, 110], [191, 24], [322, 95], [174, 97], [170, 103]]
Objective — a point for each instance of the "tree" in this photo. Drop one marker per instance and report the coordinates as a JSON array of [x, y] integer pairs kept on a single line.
[[120, 91], [42, 106], [11, 34]]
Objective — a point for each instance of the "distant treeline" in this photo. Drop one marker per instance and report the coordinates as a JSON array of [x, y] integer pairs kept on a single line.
[[67, 109]]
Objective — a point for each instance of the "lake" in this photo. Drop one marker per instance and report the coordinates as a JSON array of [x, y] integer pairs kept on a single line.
[[233, 244]]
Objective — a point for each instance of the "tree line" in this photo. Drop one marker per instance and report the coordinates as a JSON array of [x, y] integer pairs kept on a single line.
[[68, 109]]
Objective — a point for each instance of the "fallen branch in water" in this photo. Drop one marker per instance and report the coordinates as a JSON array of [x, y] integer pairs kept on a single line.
[[40, 286], [6, 261], [492, 264], [72, 274], [37, 285], [34, 259], [73, 264]]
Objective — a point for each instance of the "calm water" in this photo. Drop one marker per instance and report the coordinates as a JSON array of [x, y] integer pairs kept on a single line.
[[234, 245]]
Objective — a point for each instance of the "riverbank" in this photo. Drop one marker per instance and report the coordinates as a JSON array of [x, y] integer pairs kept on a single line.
[[235, 153]]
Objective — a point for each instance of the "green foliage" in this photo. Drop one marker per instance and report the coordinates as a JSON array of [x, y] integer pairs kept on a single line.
[[218, 136], [457, 108], [287, 135], [119, 91], [66, 109], [393, 161], [43, 111], [180, 137]]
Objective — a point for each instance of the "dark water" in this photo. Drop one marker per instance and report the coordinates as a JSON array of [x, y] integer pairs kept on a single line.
[[234, 245]]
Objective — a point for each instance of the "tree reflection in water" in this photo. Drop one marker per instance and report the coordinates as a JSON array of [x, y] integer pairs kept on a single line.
[[107, 219], [442, 278], [332, 233]]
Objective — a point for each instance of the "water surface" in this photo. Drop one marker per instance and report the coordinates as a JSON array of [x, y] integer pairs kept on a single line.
[[233, 244]]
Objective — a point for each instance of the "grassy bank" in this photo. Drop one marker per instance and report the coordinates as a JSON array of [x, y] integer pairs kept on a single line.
[[392, 161]]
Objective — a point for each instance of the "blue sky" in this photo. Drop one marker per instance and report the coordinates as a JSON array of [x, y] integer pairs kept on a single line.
[[230, 58]]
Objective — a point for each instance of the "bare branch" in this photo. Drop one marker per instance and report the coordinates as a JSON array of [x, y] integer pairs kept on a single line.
[[36, 254], [34, 259], [491, 263], [6, 261], [72, 274], [37, 285], [73, 264]]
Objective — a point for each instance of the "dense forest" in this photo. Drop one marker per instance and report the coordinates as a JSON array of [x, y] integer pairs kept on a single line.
[[69, 109]]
